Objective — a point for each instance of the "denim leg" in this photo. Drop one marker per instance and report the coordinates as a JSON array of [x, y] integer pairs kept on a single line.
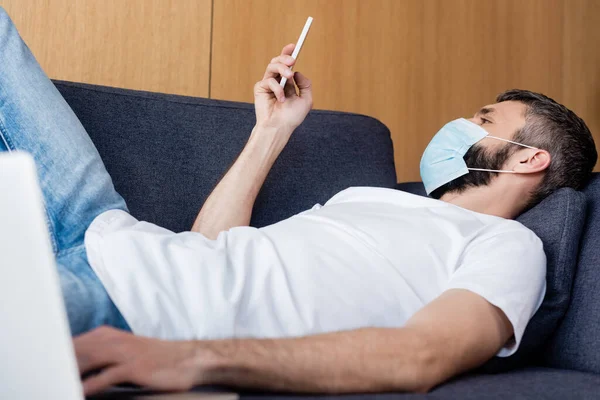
[[88, 305], [76, 186]]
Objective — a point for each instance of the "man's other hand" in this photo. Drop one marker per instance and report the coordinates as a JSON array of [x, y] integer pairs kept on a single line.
[[125, 358], [278, 107]]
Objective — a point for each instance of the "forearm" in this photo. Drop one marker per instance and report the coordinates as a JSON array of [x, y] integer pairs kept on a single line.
[[365, 360], [231, 202]]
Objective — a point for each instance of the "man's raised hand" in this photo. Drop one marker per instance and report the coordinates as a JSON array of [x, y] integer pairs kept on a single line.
[[278, 112], [277, 107]]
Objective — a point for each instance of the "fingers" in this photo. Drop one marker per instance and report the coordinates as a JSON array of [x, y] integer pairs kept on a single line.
[[288, 49], [97, 349], [282, 63], [271, 86], [284, 59], [107, 378], [290, 87], [304, 86], [279, 68]]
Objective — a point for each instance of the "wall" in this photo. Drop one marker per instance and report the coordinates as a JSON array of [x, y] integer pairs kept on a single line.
[[414, 64], [156, 45]]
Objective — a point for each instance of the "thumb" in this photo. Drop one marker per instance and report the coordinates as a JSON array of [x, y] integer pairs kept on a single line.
[[304, 85]]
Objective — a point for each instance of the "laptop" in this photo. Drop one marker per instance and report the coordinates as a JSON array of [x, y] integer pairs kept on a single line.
[[37, 360]]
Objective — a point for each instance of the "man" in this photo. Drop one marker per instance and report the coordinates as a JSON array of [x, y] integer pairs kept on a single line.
[[376, 290]]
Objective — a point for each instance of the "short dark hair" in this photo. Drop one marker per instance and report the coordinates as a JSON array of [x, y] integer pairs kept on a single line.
[[553, 127], [549, 126]]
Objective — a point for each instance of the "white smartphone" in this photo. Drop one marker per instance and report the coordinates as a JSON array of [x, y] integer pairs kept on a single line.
[[298, 46]]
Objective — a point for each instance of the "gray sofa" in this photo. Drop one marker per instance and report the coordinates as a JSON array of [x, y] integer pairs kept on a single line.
[[165, 154]]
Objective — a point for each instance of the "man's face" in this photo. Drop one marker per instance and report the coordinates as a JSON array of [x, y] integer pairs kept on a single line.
[[500, 120]]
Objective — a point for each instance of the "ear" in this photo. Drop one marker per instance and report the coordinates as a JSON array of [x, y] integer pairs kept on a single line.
[[531, 161]]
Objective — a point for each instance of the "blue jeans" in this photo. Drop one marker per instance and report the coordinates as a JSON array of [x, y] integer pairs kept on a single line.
[[76, 186]]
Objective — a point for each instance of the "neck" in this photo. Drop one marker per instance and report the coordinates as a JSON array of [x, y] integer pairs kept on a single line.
[[506, 201]]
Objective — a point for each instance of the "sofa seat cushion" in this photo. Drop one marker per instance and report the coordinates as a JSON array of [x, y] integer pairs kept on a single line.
[[524, 384], [521, 384], [558, 221]]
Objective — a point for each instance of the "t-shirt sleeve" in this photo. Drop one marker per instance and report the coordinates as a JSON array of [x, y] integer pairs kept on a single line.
[[508, 269]]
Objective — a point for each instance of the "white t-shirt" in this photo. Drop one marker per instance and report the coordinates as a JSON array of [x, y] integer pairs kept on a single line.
[[370, 257]]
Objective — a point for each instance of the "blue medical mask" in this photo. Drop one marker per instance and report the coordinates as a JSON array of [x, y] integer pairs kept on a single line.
[[443, 159]]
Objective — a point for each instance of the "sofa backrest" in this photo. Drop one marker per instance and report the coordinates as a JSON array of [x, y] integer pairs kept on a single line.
[[576, 344], [166, 153]]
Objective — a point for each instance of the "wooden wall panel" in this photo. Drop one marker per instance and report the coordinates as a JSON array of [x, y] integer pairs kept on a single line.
[[581, 62], [156, 45], [414, 64]]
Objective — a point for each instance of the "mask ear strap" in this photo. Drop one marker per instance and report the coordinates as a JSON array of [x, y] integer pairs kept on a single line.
[[510, 141], [502, 170]]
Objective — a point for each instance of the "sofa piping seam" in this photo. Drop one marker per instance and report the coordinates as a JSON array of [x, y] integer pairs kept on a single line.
[[142, 96]]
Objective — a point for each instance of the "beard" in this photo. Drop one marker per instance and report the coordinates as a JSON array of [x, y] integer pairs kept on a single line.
[[476, 157]]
